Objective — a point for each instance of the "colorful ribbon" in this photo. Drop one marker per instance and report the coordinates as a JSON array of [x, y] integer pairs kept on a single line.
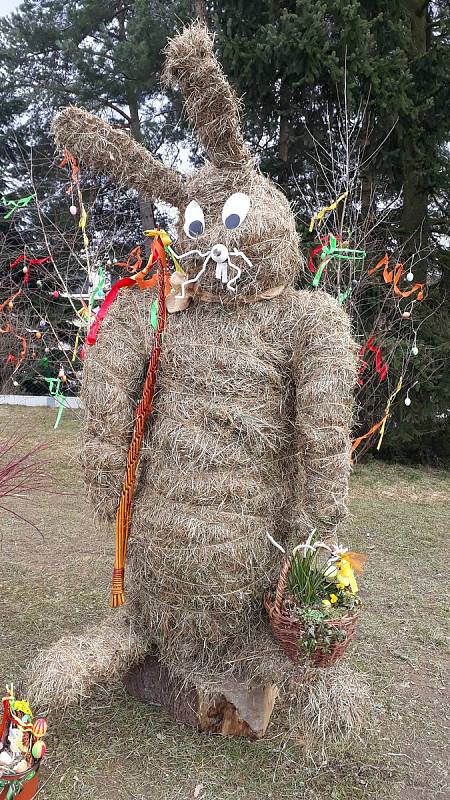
[[393, 276], [379, 366], [12, 359], [139, 279], [54, 385], [16, 204], [328, 250], [27, 261], [319, 215], [134, 260], [70, 161], [381, 424]]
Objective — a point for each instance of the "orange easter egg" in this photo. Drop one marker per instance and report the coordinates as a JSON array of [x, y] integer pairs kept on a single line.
[[40, 728]]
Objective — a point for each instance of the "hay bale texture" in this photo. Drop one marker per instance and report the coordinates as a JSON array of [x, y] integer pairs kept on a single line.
[[250, 430]]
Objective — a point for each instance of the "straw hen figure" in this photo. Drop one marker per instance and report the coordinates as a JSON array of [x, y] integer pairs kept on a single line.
[[250, 430]]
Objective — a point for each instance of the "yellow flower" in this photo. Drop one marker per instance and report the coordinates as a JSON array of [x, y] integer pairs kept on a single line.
[[346, 575], [326, 603], [22, 705], [333, 598], [340, 585]]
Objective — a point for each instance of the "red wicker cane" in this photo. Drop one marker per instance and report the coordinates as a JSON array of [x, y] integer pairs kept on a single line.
[[289, 629], [144, 409]]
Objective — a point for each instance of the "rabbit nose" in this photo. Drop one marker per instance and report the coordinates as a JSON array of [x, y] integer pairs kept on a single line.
[[219, 253]]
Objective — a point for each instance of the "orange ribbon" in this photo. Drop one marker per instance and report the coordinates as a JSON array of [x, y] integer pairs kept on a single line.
[[393, 276]]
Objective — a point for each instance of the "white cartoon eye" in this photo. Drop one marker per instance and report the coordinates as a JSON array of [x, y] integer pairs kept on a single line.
[[194, 220], [235, 210]]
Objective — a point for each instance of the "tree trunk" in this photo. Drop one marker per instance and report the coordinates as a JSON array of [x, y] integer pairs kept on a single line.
[[414, 229], [199, 10], [283, 138], [235, 710], [145, 205]]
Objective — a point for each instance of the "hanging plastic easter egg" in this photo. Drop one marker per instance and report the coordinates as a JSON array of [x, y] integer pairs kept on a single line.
[[414, 351], [47, 350], [39, 283], [73, 210], [38, 749], [407, 401], [42, 323], [11, 305], [38, 335], [15, 383], [406, 314], [25, 270], [40, 728], [55, 294], [409, 276]]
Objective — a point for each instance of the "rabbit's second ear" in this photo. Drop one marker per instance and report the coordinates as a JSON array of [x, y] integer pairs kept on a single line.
[[211, 104]]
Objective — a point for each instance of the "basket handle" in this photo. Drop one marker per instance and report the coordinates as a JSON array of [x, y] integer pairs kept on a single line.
[[281, 585]]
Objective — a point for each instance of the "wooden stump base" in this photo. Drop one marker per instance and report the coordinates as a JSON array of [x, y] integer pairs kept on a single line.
[[235, 710]]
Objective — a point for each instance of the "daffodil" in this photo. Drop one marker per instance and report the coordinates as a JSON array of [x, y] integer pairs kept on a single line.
[[331, 571], [346, 575], [333, 598], [326, 603]]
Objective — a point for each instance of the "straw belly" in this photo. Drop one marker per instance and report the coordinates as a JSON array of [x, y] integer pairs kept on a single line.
[[213, 479]]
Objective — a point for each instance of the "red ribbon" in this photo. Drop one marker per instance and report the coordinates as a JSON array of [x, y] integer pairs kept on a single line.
[[324, 243], [106, 305], [157, 251], [379, 366]]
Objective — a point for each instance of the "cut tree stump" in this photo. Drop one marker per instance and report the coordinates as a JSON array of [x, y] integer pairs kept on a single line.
[[236, 710]]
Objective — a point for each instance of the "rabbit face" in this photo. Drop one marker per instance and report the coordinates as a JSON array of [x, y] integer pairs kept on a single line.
[[242, 229]]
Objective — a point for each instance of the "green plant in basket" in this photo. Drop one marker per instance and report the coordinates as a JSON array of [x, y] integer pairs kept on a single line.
[[322, 592]]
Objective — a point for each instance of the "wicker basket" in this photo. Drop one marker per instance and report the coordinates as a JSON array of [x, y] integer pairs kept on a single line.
[[288, 629]]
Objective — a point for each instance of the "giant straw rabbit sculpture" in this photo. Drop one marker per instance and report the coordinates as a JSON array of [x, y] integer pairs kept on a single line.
[[250, 430]]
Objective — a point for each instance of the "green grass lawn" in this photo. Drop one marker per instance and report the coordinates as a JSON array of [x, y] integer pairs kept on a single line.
[[114, 747]]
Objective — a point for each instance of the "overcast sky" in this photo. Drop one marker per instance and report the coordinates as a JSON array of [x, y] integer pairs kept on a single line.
[[6, 6]]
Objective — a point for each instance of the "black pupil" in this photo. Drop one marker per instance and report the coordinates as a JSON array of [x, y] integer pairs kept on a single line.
[[232, 221], [196, 227]]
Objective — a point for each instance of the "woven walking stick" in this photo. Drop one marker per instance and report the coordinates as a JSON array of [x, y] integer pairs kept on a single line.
[[144, 409]]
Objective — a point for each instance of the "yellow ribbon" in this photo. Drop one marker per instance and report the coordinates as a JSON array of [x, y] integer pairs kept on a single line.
[[386, 413], [319, 215]]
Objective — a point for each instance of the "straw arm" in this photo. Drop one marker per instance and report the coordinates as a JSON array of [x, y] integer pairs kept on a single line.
[[113, 376], [324, 363], [111, 151]]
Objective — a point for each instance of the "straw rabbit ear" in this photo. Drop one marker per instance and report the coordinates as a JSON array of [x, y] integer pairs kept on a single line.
[[211, 104], [113, 152]]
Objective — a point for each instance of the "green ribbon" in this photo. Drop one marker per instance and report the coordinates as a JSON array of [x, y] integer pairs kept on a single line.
[[330, 251], [54, 385], [15, 786], [98, 288], [16, 204], [343, 295], [154, 314]]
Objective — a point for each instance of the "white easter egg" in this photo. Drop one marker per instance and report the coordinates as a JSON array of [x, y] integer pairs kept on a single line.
[[410, 277], [73, 210], [414, 351], [407, 401]]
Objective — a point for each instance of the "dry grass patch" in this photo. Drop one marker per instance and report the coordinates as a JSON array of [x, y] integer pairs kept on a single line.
[[114, 747]]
